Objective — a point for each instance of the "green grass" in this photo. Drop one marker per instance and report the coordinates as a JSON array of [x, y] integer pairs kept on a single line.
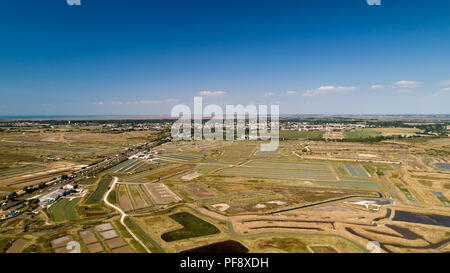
[[125, 234], [237, 153], [101, 189], [286, 244], [408, 194], [112, 197], [445, 202], [88, 181], [5, 243], [360, 133], [442, 198], [69, 209], [416, 140], [396, 130], [292, 135], [57, 210], [149, 242], [341, 170], [370, 169], [192, 227]]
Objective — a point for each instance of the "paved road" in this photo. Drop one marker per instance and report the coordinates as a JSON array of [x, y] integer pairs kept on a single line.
[[123, 215]]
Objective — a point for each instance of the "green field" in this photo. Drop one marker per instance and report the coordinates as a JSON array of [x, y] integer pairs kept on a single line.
[[237, 153], [370, 169], [360, 133], [292, 135], [342, 171], [57, 210], [365, 133], [112, 197], [88, 181], [192, 227], [101, 189], [408, 194], [64, 209], [396, 130], [69, 209]]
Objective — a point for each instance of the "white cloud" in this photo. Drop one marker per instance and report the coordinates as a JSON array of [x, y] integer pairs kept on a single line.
[[146, 102], [269, 94], [377, 86], [291, 92], [407, 84], [211, 93], [171, 100], [446, 89], [329, 89], [445, 83]]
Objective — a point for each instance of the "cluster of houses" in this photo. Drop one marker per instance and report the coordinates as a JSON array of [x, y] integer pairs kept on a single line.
[[123, 127], [8, 213], [145, 154], [246, 129], [305, 126]]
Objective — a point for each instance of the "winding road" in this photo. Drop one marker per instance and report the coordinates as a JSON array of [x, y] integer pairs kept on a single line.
[[123, 215]]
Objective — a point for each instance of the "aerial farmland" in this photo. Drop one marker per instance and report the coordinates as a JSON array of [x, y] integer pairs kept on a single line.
[[310, 195]]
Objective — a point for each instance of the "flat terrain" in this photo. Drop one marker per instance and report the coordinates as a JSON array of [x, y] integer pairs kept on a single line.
[[309, 196]]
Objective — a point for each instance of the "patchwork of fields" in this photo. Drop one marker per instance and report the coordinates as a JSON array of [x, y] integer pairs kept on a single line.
[[100, 190], [133, 197], [278, 170], [64, 209], [197, 195]]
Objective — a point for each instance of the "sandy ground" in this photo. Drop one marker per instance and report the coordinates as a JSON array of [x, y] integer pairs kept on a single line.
[[191, 176]]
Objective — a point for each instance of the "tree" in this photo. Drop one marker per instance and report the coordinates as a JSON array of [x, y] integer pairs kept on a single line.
[[12, 195]]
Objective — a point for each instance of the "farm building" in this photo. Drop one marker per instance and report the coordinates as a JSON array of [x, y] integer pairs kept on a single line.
[[55, 195], [71, 186], [7, 213]]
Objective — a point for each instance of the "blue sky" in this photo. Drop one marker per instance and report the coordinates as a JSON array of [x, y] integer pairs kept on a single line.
[[125, 57]]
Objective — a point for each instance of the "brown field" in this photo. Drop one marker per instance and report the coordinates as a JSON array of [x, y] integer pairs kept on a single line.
[[293, 200], [137, 198], [104, 227], [95, 248], [199, 191], [164, 173], [17, 246], [161, 194], [116, 242], [109, 234], [88, 237], [124, 200], [124, 249], [35, 154], [62, 241], [322, 249]]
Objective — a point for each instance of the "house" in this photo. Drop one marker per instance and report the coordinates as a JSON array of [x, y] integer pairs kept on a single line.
[[52, 196], [8, 213], [71, 186]]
